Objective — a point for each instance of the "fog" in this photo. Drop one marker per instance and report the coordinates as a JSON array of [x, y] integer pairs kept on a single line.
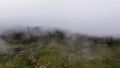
[[93, 17]]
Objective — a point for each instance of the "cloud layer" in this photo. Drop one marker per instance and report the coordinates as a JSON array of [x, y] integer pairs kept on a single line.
[[85, 16]]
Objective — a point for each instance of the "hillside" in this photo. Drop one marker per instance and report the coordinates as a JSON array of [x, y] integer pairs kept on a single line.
[[37, 47]]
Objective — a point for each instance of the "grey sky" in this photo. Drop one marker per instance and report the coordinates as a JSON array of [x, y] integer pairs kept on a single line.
[[99, 17]]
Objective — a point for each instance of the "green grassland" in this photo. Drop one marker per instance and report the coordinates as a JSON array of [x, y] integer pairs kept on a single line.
[[56, 49]]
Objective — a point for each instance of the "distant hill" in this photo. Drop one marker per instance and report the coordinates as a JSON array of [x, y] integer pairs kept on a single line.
[[39, 33]]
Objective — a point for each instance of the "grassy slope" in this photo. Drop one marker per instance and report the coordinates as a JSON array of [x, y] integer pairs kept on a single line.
[[55, 50]]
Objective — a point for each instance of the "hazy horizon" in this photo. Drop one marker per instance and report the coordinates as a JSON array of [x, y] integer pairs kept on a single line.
[[91, 17]]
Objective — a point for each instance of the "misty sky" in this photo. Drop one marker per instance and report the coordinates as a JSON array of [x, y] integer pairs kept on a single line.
[[96, 17]]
